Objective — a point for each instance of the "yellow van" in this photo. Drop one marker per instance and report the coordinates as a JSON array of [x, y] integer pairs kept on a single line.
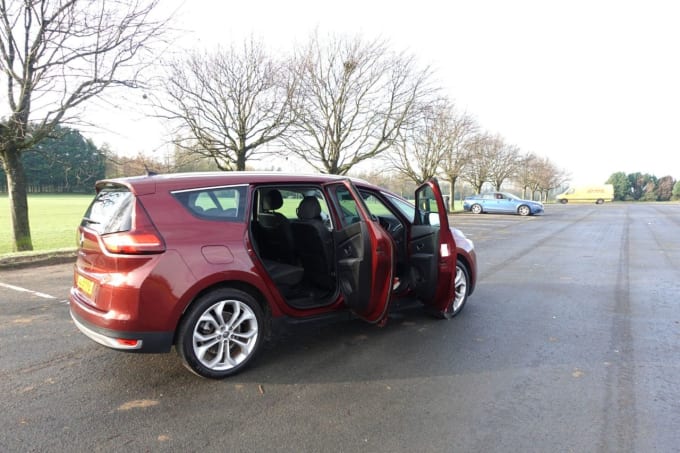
[[587, 194]]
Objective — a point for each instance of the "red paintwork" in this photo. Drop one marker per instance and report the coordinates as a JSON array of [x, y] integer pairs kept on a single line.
[[149, 293]]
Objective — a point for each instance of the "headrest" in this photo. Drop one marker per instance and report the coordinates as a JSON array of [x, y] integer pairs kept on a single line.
[[309, 208], [271, 200]]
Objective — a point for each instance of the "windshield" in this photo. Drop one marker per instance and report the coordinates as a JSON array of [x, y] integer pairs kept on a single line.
[[406, 208]]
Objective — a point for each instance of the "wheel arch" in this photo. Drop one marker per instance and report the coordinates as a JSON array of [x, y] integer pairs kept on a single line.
[[230, 284], [471, 274]]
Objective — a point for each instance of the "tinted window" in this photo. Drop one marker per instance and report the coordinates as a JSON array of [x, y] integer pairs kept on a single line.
[[110, 211], [349, 211], [222, 203]]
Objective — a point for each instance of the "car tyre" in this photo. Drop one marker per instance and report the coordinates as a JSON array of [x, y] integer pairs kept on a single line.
[[476, 209], [599, 201], [461, 285], [523, 210], [564, 201], [221, 333]]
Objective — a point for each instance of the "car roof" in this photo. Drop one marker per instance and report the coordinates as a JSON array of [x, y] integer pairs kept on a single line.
[[181, 181]]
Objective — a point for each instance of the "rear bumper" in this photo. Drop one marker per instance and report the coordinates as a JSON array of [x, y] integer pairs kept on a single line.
[[151, 342]]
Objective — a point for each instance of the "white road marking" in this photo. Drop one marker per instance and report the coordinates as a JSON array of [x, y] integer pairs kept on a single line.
[[24, 290]]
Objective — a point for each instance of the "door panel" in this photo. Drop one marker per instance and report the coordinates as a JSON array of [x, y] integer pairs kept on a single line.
[[364, 253], [353, 266], [433, 249], [424, 253]]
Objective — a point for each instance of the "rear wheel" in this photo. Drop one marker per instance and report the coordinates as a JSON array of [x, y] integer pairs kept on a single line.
[[564, 201], [523, 210], [476, 209], [600, 201], [221, 333], [460, 291]]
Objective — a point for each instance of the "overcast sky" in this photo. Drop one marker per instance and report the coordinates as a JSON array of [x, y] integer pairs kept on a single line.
[[593, 85]]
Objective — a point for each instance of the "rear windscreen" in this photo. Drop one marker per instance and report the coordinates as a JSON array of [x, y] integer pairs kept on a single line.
[[110, 211]]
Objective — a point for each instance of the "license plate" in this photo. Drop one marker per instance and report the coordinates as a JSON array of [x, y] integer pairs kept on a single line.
[[85, 285]]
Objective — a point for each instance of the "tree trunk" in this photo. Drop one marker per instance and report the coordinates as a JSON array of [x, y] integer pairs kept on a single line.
[[241, 160], [452, 200], [18, 200]]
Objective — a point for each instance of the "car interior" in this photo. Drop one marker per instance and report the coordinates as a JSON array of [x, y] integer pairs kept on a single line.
[[293, 235]]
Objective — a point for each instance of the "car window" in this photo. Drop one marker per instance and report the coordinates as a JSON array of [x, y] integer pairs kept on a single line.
[[110, 211], [223, 203], [406, 208], [376, 207], [426, 202], [349, 211]]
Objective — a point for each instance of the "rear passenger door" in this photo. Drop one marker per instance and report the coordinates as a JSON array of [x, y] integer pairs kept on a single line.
[[364, 254]]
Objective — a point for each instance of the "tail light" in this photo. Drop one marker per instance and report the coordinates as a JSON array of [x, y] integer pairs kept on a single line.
[[142, 238]]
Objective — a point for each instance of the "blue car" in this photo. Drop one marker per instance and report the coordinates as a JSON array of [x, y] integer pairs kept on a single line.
[[501, 202]]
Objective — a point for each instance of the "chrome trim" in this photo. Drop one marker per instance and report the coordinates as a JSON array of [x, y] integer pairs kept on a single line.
[[103, 339], [208, 188]]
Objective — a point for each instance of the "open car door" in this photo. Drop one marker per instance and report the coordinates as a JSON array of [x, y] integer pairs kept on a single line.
[[432, 248], [364, 254]]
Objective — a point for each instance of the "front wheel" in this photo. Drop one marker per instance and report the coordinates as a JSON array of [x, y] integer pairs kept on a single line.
[[460, 291], [599, 201], [564, 201], [476, 209], [523, 210], [221, 333]]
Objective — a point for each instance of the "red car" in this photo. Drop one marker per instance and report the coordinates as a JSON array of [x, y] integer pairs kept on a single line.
[[206, 262]]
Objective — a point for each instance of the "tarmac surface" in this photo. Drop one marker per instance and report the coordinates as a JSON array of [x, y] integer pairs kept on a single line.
[[571, 342]]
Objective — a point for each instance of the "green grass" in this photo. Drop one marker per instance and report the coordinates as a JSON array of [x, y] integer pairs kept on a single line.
[[54, 219]]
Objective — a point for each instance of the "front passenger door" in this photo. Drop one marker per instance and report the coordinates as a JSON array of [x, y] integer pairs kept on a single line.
[[432, 248]]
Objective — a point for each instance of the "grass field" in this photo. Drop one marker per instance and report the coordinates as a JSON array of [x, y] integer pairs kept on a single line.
[[53, 218]]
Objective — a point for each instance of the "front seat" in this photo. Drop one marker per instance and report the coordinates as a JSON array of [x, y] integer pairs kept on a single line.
[[314, 244]]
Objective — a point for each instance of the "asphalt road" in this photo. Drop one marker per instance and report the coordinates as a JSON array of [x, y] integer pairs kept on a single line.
[[571, 342]]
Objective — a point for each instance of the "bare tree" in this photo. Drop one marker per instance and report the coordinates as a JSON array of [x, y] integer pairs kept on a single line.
[[527, 175], [420, 148], [545, 176], [462, 129], [55, 55], [229, 103], [354, 98], [480, 151], [503, 159]]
